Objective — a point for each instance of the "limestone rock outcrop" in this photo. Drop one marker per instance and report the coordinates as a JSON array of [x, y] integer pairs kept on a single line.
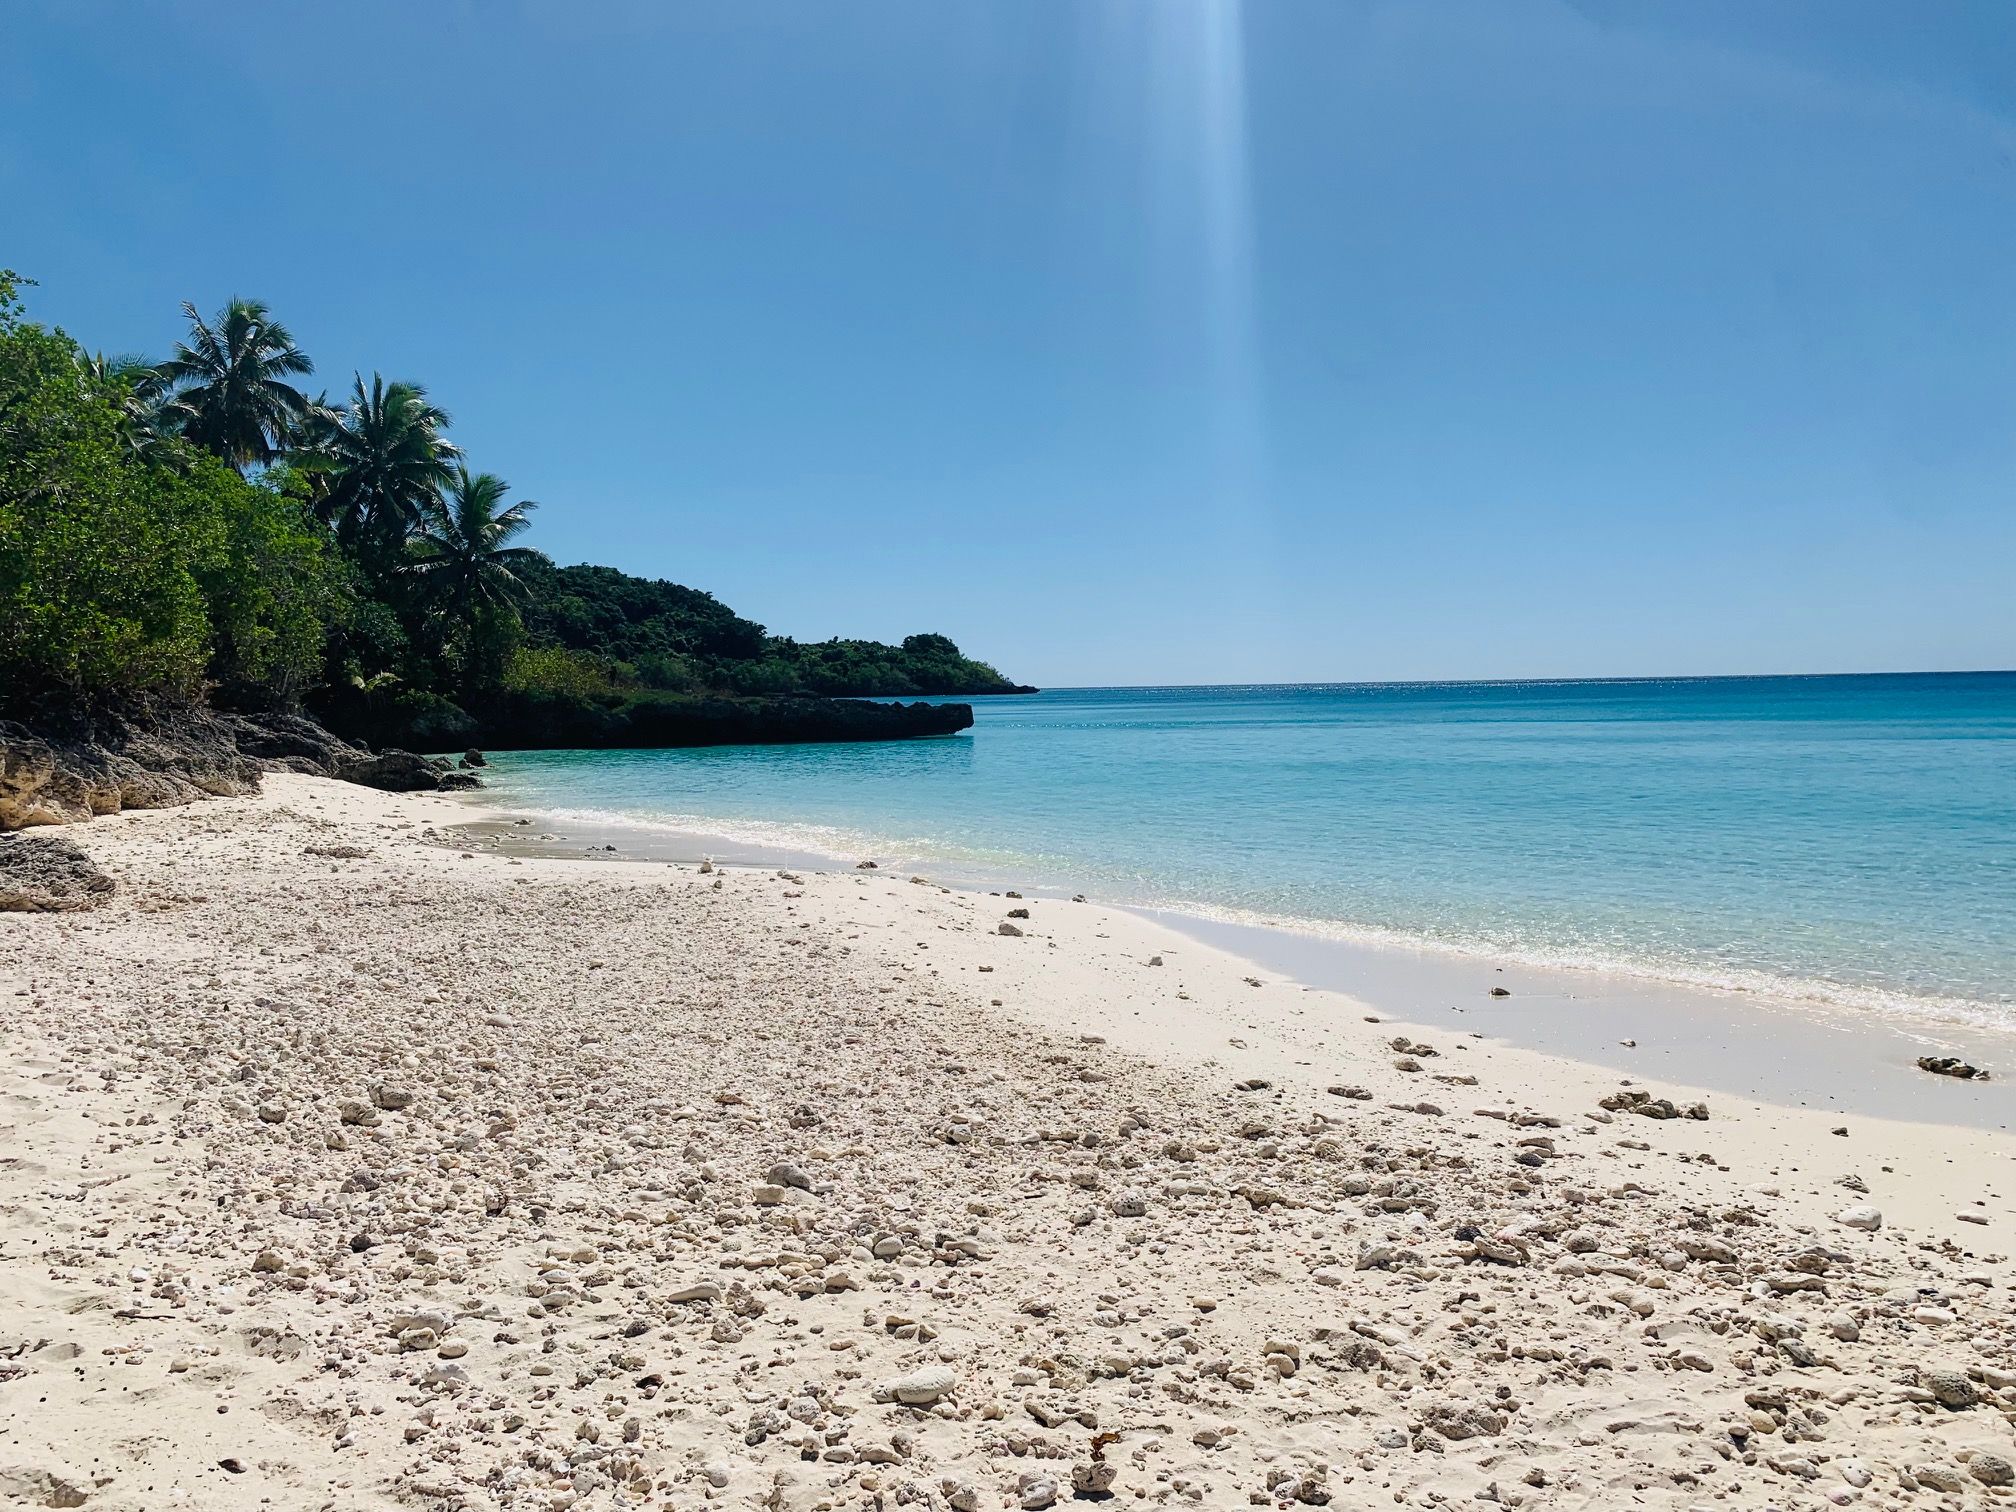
[[48, 874], [65, 773]]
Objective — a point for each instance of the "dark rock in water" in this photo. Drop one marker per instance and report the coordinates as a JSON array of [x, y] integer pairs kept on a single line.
[[790, 720], [513, 722], [1501, 992], [48, 874], [397, 771], [474, 758], [1951, 1065], [457, 782]]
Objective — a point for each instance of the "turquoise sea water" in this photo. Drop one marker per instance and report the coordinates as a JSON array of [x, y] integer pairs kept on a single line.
[[1848, 839]]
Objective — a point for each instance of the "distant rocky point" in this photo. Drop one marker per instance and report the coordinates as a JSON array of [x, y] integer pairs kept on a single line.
[[712, 719]]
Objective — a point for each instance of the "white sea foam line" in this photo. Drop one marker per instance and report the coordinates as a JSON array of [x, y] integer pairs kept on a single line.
[[1792, 990], [823, 839]]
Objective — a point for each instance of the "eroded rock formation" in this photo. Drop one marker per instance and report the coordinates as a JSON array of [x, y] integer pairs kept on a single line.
[[48, 874], [68, 773]]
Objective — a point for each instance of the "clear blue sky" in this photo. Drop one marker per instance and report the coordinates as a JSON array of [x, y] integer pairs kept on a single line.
[[1127, 340]]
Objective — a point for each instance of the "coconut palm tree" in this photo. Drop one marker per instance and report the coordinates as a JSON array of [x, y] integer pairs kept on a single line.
[[385, 461], [231, 394], [136, 372], [145, 423], [461, 554]]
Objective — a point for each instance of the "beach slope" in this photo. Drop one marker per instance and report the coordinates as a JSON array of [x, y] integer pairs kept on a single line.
[[342, 1169]]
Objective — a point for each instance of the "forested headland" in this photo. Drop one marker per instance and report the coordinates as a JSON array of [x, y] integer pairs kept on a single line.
[[203, 528]]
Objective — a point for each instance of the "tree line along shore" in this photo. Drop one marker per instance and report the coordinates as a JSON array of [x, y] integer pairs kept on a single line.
[[203, 531]]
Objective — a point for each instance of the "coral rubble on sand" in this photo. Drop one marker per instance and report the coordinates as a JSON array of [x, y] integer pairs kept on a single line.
[[344, 1170]]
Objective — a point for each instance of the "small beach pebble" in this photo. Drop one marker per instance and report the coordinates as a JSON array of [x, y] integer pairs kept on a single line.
[[919, 1387]]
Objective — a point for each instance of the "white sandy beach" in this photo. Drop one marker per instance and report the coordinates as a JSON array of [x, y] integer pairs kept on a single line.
[[339, 1169]]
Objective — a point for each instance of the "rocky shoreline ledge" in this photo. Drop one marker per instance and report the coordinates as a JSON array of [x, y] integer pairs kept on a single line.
[[68, 771], [344, 1170]]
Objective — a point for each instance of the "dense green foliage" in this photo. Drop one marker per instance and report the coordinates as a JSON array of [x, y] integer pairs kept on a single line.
[[136, 570], [654, 634], [201, 524]]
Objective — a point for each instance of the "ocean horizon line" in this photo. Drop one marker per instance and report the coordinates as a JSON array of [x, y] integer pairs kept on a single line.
[[1593, 681]]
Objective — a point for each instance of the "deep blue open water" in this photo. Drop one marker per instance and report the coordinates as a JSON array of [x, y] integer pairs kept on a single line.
[[1849, 839]]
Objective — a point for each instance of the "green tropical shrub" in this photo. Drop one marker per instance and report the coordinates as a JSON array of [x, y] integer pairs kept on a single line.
[[136, 571], [558, 669]]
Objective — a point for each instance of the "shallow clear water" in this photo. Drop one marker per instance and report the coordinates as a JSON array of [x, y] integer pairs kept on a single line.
[[1850, 839]]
